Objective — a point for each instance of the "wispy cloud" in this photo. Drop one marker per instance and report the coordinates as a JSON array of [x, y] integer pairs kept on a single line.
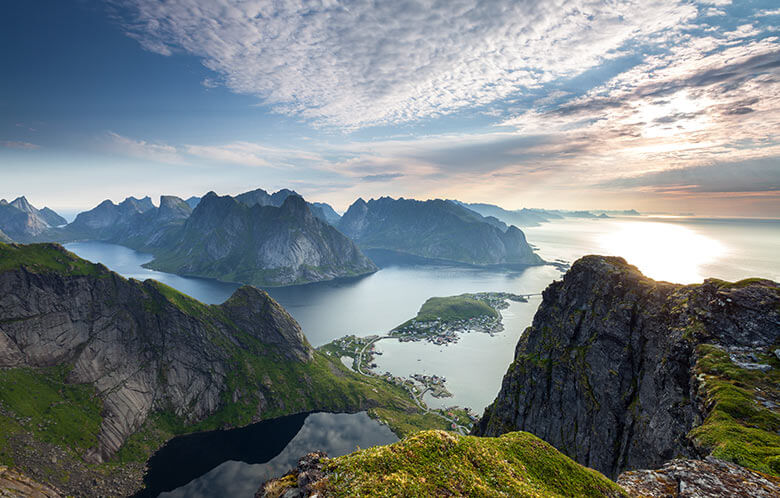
[[355, 63], [141, 149], [252, 154], [15, 144]]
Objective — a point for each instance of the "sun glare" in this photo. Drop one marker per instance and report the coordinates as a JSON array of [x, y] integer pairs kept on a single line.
[[663, 251]]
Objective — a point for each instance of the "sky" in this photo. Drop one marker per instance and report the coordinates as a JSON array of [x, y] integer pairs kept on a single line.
[[658, 105]]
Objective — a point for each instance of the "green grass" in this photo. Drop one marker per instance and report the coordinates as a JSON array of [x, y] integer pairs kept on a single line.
[[738, 428], [42, 404], [436, 463], [452, 309], [46, 258]]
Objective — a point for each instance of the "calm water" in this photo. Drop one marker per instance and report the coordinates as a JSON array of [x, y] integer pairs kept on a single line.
[[681, 250], [236, 462], [676, 249]]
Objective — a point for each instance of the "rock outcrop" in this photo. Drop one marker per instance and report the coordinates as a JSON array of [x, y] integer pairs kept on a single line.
[[622, 372], [258, 244], [710, 478], [436, 230], [16, 485], [143, 346]]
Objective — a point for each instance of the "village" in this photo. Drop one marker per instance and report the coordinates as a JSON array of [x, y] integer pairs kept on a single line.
[[358, 352]]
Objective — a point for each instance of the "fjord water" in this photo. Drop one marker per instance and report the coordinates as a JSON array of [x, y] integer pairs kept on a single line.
[[236, 462], [684, 250]]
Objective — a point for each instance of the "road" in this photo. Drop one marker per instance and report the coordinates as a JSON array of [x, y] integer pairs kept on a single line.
[[419, 400]]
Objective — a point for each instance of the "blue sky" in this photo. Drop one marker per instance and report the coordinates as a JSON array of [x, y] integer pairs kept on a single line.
[[659, 105]]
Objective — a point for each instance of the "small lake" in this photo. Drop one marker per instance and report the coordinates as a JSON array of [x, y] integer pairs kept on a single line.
[[236, 462]]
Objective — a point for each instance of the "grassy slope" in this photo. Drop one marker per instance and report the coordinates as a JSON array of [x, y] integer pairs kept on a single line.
[[39, 258], [39, 402], [436, 463], [739, 428], [451, 309]]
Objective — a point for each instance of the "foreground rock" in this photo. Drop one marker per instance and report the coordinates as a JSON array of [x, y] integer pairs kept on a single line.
[[710, 478], [622, 372], [16, 485]]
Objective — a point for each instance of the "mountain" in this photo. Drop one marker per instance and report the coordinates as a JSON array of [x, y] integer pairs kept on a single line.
[[434, 229], [97, 371], [519, 218], [192, 202], [325, 212], [135, 223], [23, 221], [244, 241], [50, 217], [621, 372], [438, 463], [5, 238]]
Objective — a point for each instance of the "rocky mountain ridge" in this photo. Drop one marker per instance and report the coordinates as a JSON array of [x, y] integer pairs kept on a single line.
[[435, 230], [621, 372], [22, 221], [100, 369], [263, 245]]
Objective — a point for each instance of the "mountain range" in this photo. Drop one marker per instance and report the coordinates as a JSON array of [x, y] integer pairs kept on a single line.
[[242, 240], [21, 221], [254, 238], [435, 230]]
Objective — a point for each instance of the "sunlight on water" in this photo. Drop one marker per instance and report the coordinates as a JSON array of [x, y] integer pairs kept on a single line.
[[663, 251]]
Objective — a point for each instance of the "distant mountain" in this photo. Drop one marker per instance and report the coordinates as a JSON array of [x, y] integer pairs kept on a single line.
[[617, 212], [240, 240], [5, 238], [136, 223], [192, 202], [434, 229], [325, 212], [519, 218], [22, 221], [47, 215]]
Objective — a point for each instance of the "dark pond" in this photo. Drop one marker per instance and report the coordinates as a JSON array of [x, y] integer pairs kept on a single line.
[[236, 462]]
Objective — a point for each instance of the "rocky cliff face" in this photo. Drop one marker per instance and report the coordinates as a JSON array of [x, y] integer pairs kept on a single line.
[[434, 229], [260, 245], [622, 372], [143, 346]]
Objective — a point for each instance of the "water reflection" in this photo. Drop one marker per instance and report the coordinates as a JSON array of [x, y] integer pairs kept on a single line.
[[238, 461]]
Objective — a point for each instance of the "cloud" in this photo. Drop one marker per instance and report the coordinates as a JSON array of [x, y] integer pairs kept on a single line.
[[15, 144], [141, 149], [381, 177], [252, 154], [761, 175], [356, 63]]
